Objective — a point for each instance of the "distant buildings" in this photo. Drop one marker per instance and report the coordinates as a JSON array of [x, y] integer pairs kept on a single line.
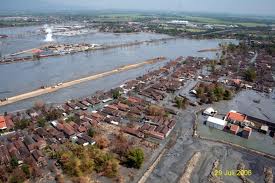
[[179, 22]]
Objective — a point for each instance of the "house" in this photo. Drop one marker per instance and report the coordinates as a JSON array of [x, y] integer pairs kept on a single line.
[[134, 132], [112, 107], [9, 122], [234, 129], [155, 134], [80, 114], [81, 106], [246, 132], [68, 130], [216, 123], [39, 157], [236, 117], [29, 142], [41, 144], [209, 112], [84, 102], [3, 125], [171, 124], [86, 139], [122, 107]]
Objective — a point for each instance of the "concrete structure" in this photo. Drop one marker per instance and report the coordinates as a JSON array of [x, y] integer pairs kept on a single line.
[[216, 123], [264, 129]]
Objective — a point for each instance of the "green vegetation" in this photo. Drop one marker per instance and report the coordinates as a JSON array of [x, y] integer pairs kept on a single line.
[[26, 169], [53, 114], [22, 124], [116, 94], [180, 102], [250, 74], [77, 161], [226, 21], [41, 122], [14, 162], [213, 93], [73, 118], [91, 132], [135, 158], [155, 110]]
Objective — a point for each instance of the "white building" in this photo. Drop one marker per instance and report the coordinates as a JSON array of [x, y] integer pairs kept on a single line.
[[216, 123], [209, 111], [180, 22]]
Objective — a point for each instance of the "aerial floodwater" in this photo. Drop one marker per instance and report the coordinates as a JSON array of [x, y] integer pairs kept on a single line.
[[29, 76]]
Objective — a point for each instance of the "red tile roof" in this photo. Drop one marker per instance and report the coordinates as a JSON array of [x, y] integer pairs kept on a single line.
[[236, 116], [3, 124], [234, 128]]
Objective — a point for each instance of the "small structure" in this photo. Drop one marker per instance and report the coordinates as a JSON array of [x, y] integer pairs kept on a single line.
[[234, 129], [216, 123], [209, 112], [264, 129], [246, 132]]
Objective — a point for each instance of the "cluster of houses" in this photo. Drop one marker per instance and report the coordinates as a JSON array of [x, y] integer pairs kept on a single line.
[[78, 116], [238, 124]]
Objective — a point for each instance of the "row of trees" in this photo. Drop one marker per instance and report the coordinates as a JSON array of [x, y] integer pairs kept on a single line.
[[213, 93], [79, 161]]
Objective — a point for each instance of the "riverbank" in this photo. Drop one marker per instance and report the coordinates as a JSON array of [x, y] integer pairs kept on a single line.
[[71, 49], [51, 89]]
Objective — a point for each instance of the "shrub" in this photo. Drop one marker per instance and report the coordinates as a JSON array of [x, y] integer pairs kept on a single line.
[[135, 158]]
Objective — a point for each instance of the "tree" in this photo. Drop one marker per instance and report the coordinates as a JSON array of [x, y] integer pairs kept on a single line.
[[116, 94], [180, 103], [102, 142], [250, 75], [135, 158], [91, 132], [111, 168], [41, 122], [53, 114], [156, 110], [26, 169], [14, 162], [22, 124], [227, 95], [200, 92]]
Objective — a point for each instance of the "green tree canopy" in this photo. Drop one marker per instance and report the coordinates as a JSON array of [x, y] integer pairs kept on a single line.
[[135, 158]]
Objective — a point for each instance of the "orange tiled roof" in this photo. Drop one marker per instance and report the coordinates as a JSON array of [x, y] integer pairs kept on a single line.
[[3, 124], [236, 116], [234, 128]]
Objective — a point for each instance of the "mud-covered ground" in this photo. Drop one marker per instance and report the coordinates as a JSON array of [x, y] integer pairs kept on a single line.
[[172, 165]]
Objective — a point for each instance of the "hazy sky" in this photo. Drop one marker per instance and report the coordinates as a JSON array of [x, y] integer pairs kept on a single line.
[[262, 7]]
